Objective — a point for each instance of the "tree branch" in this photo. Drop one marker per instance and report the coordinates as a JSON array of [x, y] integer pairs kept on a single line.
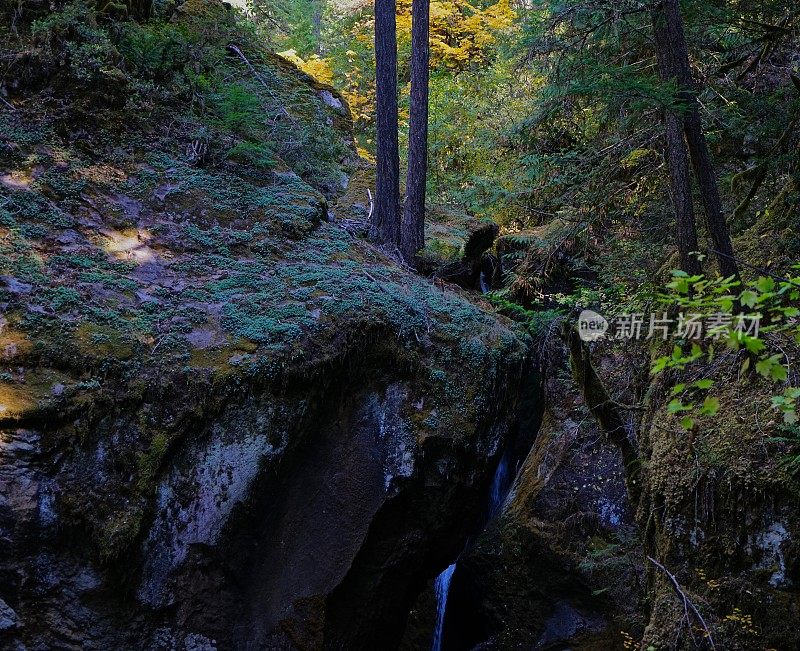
[[687, 603]]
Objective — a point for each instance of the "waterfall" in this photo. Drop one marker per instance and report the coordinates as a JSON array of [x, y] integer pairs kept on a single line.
[[441, 587], [500, 486], [501, 482], [485, 283]]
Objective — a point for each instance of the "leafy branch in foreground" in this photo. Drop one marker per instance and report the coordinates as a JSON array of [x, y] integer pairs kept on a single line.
[[764, 332]]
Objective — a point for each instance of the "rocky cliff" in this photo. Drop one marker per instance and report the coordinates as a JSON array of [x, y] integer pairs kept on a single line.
[[691, 547], [226, 422]]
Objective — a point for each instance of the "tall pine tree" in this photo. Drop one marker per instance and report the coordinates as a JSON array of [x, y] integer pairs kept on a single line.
[[680, 180], [412, 234], [673, 57], [386, 218]]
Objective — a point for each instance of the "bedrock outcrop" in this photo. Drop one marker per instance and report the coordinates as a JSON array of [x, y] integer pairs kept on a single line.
[[225, 422]]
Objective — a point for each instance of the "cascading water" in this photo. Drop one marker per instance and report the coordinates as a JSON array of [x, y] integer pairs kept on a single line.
[[441, 587], [456, 589], [501, 482]]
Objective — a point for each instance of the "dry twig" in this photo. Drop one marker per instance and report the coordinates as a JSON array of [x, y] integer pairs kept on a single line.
[[688, 605], [7, 103]]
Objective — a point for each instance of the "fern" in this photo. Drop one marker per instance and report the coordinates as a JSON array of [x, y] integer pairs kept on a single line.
[[791, 460]]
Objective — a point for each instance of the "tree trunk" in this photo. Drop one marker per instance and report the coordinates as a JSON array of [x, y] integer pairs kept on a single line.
[[677, 159], [412, 235], [386, 218], [712, 204], [673, 55], [605, 410], [681, 193]]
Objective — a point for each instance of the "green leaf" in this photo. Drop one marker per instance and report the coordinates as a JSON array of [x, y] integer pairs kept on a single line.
[[771, 368], [659, 365], [679, 285], [753, 344], [704, 384], [687, 422], [763, 366], [710, 406], [749, 298], [779, 373], [677, 389], [676, 406], [764, 284]]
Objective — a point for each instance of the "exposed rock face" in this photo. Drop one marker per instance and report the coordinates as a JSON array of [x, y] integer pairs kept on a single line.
[[727, 525], [224, 423], [560, 567], [227, 423], [300, 520], [567, 564]]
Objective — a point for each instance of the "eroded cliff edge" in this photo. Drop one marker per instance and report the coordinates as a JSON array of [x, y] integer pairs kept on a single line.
[[225, 420]]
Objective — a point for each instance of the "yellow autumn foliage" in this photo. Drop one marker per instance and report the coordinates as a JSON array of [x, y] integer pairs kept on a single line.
[[360, 102], [460, 33], [314, 66]]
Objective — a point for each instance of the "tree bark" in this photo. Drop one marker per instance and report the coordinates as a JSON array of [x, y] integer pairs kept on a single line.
[[604, 410], [412, 234], [386, 219], [675, 153], [709, 192], [681, 193], [673, 58]]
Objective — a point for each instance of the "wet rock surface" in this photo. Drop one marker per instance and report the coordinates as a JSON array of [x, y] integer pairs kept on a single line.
[[228, 422], [273, 525], [560, 565]]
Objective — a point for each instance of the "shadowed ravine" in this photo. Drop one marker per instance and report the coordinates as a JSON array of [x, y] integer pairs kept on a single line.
[[448, 629], [501, 484]]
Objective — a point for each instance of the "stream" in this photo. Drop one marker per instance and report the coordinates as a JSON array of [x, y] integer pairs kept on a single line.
[[501, 484], [441, 587]]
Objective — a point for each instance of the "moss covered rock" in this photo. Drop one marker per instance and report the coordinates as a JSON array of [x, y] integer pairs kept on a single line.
[[224, 420]]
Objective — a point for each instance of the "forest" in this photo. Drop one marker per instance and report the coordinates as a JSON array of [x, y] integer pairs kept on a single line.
[[399, 324]]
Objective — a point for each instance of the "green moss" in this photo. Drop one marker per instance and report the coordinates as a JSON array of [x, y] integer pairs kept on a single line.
[[256, 154], [231, 252], [149, 462], [280, 325], [102, 341], [61, 298], [118, 532], [111, 281]]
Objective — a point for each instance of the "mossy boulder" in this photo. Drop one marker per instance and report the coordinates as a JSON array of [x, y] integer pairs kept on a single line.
[[223, 418]]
